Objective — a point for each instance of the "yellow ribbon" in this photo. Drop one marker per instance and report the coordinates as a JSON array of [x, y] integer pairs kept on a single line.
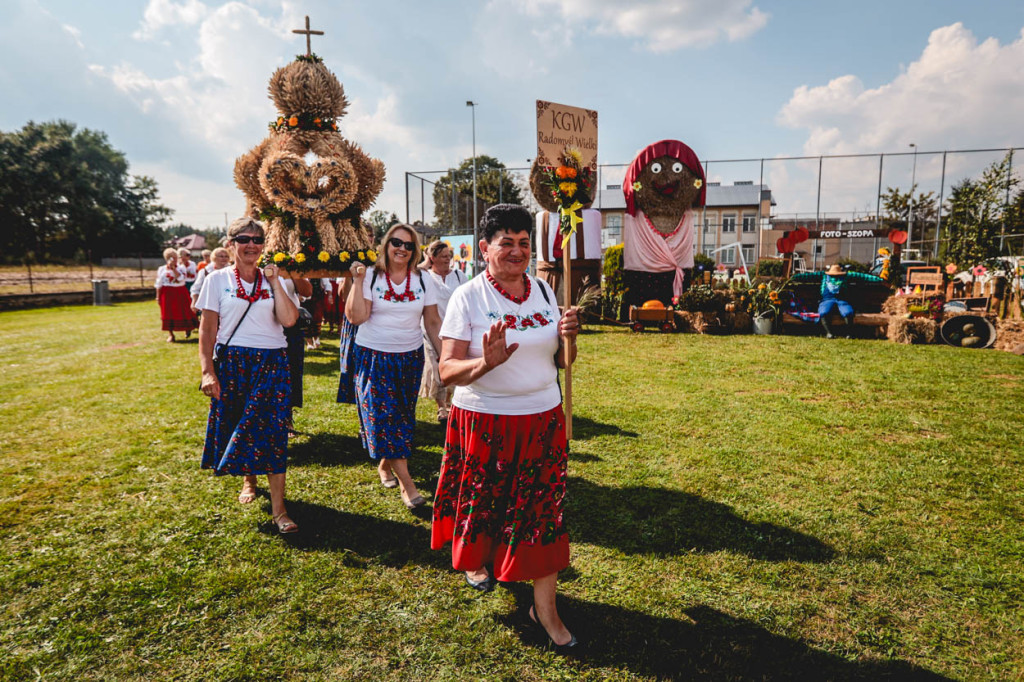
[[574, 220]]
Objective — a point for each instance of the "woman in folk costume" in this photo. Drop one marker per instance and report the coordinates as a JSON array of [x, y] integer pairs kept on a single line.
[[437, 261], [663, 185], [172, 294]]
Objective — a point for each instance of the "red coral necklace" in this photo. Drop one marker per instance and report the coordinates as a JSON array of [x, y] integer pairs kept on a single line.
[[406, 295], [501, 290], [257, 288], [659, 232]]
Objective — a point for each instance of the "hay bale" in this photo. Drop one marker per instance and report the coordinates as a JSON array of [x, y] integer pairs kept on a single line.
[[737, 322], [1009, 334], [896, 305], [916, 330]]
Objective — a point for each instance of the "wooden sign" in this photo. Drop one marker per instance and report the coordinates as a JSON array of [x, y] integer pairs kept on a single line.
[[560, 126], [928, 277]]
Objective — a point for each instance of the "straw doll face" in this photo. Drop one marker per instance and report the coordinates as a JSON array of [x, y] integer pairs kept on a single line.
[[667, 187]]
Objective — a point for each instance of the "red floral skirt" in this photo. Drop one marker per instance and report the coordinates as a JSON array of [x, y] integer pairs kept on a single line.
[[500, 494], [176, 310]]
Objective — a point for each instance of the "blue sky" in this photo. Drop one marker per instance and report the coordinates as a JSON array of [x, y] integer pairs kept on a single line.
[[180, 85]]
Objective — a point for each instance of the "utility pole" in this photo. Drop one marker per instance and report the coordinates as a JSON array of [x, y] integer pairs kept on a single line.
[[476, 222]]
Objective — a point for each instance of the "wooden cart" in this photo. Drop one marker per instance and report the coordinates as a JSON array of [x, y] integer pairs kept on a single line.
[[662, 318]]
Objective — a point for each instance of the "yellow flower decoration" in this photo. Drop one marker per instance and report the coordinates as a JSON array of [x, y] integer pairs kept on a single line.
[[883, 251], [323, 256], [637, 186], [300, 258], [575, 154], [278, 257], [361, 255], [751, 292], [372, 255], [762, 287], [698, 183], [773, 297], [569, 188], [343, 256]]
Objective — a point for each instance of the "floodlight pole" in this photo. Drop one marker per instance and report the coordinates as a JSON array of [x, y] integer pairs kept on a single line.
[[476, 223], [913, 181]]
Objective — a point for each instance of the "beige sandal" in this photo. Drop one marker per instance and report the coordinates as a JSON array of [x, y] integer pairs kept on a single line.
[[285, 525]]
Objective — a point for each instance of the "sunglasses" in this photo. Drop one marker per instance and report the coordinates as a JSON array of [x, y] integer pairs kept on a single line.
[[399, 244], [245, 239]]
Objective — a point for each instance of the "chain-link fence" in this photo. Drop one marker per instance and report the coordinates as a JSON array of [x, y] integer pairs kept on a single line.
[[841, 192]]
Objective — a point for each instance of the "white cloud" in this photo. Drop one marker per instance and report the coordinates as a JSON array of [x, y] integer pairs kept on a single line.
[[959, 93], [75, 33], [661, 25], [162, 13]]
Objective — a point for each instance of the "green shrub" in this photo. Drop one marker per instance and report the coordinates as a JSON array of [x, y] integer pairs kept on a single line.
[[851, 265], [770, 268], [612, 270], [702, 263], [701, 298]]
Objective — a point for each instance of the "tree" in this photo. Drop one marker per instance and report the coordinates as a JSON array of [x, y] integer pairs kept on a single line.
[[381, 222], [897, 207], [453, 193], [65, 192], [979, 214]]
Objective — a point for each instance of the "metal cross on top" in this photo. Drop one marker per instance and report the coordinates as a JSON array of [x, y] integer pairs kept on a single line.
[[308, 33]]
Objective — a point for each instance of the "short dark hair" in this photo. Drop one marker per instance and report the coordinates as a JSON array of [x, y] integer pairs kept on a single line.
[[511, 218]]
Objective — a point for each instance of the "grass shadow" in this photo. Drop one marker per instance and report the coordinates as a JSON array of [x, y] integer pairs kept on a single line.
[[359, 537], [655, 520], [585, 429], [711, 645], [326, 450]]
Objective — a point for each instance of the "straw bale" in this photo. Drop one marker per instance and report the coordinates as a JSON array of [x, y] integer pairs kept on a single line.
[[1009, 334], [896, 305], [915, 330]]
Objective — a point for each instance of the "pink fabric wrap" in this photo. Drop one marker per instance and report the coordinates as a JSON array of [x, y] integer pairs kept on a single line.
[[647, 251]]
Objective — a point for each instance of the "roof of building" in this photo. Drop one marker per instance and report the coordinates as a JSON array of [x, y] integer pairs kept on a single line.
[[738, 194]]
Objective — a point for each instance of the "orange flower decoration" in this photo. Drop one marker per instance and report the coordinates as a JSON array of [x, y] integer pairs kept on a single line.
[[565, 172], [293, 121]]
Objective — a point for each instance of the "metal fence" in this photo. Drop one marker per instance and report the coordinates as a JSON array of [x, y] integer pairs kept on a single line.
[[848, 187]]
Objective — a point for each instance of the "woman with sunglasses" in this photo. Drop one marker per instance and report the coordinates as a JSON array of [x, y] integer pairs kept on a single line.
[[502, 484], [389, 306], [245, 370]]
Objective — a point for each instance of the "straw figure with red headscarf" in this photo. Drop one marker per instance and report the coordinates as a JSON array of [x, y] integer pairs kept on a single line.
[[663, 185]]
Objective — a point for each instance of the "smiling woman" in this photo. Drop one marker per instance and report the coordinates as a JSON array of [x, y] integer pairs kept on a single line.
[[390, 307]]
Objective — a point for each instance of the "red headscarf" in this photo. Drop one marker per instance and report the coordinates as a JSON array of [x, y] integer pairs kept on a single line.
[[673, 148]]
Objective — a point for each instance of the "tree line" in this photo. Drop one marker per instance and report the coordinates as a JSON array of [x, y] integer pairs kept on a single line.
[[66, 192]]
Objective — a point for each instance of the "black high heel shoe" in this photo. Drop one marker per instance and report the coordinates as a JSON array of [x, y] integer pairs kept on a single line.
[[570, 647]]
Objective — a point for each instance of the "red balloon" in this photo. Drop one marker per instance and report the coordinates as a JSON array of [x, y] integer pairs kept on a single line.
[[898, 236]]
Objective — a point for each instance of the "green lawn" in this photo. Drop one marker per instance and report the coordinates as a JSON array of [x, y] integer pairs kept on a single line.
[[740, 508]]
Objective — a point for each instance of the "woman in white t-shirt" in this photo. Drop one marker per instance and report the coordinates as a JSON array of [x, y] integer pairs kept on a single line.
[[437, 264], [245, 311], [172, 295], [219, 259], [502, 484], [389, 306]]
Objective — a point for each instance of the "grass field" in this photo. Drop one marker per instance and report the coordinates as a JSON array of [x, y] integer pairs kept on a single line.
[[739, 508]]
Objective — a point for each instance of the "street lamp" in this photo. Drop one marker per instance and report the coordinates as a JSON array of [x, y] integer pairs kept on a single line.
[[476, 224], [913, 181]]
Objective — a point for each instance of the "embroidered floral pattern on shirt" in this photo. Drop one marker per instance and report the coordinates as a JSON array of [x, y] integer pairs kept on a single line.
[[521, 322]]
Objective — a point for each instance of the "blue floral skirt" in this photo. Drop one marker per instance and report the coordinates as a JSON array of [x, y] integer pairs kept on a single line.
[[247, 431], [387, 385], [346, 343]]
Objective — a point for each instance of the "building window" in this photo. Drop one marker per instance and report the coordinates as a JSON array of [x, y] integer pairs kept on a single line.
[[708, 249], [612, 232], [729, 256], [748, 253], [749, 222], [729, 223], [709, 222]]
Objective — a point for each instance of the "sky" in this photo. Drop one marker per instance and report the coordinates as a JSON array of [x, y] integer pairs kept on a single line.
[[180, 85]]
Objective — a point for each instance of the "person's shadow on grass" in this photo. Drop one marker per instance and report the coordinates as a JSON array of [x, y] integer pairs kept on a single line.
[[358, 536], [641, 520], [710, 645]]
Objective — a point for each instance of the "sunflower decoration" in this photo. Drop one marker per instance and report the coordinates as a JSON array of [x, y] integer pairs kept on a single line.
[[569, 187]]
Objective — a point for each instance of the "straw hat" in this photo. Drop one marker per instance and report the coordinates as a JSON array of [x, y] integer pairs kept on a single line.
[[835, 270]]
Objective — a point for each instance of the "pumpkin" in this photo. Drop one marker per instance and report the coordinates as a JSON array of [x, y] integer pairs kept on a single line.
[[653, 305]]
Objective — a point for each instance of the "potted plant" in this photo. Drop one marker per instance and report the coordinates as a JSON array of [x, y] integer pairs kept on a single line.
[[764, 306]]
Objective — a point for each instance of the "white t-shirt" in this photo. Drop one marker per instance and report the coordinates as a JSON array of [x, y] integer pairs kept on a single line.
[[197, 286], [394, 326], [446, 286], [527, 383], [259, 329]]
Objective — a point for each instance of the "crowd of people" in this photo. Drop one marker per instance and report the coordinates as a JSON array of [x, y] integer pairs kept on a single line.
[[487, 350]]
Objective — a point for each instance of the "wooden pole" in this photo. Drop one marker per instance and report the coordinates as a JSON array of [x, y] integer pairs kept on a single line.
[[567, 290]]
